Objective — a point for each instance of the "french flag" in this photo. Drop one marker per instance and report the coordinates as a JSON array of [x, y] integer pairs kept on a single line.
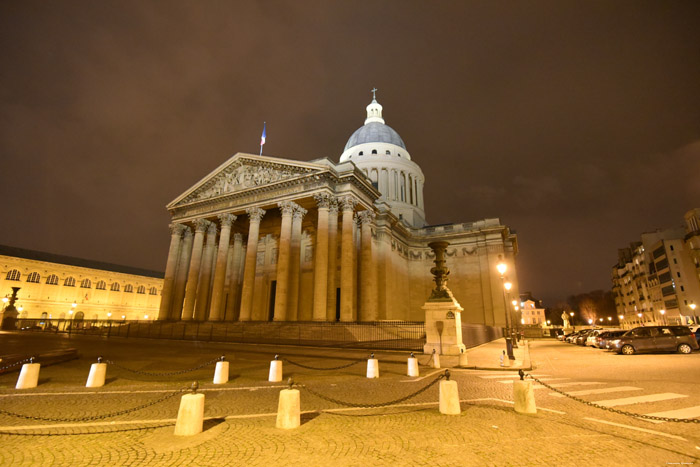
[[262, 138]]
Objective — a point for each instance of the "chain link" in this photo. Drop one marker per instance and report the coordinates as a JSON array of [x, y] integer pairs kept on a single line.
[[610, 409], [162, 373], [322, 369], [95, 417], [15, 364], [368, 406]]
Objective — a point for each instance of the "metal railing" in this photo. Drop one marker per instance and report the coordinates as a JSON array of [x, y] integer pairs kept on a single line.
[[387, 335]]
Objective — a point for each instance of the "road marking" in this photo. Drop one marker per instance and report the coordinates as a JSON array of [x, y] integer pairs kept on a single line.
[[653, 432], [507, 375], [422, 377], [575, 383], [687, 413], [639, 400], [597, 391], [510, 381], [144, 391]]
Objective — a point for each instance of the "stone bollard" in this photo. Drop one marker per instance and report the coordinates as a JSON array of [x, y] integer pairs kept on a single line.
[[372, 367], [221, 371], [505, 361], [98, 371], [190, 416], [524, 395], [449, 396], [435, 361], [463, 361], [413, 366], [29, 376], [275, 370], [289, 408]]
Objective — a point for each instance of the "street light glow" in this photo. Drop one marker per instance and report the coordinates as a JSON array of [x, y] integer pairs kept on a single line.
[[501, 268], [662, 312], [508, 285]]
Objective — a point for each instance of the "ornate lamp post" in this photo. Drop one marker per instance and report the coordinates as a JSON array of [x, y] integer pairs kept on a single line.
[[663, 315], [502, 268]]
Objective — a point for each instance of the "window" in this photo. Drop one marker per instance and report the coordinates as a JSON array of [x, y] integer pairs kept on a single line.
[[128, 288], [671, 247], [101, 285], [115, 287], [69, 282], [374, 151], [153, 291], [675, 261], [52, 279], [362, 153], [678, 274], [34, 277], [13, 275], [86, 284], [141, 289], [388, 153]]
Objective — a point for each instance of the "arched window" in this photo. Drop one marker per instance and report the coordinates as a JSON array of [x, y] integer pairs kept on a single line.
[[34, 277], [129, 288], [69, 282], [153, 291], [52, 279], [362, 153], [86, 284], [374, 151], [388, 153], [115, 287], [13, 275], [141, 289], [101, 285]]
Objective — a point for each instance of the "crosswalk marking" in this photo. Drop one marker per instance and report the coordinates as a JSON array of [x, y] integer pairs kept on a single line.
[[510, 381], [686, 413], [597, 391], [641, 399], [503, 375], [575, 383]]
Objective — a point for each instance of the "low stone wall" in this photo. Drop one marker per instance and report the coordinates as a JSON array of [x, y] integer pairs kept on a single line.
[[477, 334]]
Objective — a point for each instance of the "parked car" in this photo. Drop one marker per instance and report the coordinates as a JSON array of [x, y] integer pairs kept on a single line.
[[581, 338], [696, 330], [570, 337], [592, 336], [605, 339], [657, 338]]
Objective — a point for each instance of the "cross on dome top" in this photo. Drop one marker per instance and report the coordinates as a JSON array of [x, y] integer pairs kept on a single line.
[[374, 110]]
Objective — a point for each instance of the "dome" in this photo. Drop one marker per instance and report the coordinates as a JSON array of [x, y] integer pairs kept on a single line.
[[375, 132]]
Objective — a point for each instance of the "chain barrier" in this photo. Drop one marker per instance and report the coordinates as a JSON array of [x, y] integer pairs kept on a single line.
[[90, 418], [369, 406], [610, 409], [21, 362], [161, 373], [322, 369]]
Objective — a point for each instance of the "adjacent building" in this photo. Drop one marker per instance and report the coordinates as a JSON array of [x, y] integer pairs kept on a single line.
[[272, 239], [657, 280]]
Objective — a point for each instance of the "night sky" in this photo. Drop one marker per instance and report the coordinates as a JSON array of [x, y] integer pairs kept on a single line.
[[575, 123]]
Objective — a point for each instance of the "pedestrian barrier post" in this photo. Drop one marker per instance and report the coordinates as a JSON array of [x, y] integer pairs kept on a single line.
[[524, 395], [29, 376], [449, 396], [372, 367], [463, 358], [275, 370], [505, 361], [289, 408], [98, 371], [435, 361], [221, 371], [413, 366], [190, 416]]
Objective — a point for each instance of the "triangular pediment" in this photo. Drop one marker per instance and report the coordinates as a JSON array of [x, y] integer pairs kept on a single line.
[[245, 172]]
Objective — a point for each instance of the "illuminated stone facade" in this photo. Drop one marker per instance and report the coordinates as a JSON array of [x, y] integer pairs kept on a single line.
[[61, 287], [264, 238]]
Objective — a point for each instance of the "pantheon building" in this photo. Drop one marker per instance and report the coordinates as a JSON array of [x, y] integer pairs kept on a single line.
[[271, 239]]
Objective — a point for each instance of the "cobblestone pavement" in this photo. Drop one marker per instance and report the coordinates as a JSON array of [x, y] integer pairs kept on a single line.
[[240, 426]]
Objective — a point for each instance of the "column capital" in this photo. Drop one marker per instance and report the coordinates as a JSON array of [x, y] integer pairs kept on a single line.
[[333, 207], [200, 225], [227, 219], [366, 217], [299, 213], [347, 202], [177, 229], [187, 232], [212, 229], [237, 237], [287, 207], [255, 214], [323, 200]]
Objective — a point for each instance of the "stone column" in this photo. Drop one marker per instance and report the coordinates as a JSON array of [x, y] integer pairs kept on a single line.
[[347, 249], [331, 296], [183, 266], [321, 258], [368, 272], [295, 264], [195, 263], [251, 257], [217, 293], [170, 270], [234, 278], [201, 306], [283, 261]]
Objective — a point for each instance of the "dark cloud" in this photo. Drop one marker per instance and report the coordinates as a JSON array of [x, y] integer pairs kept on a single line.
[[576, 123]]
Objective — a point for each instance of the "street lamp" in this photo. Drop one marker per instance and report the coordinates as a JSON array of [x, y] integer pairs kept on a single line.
[[502, 268], [663, 315], [640, 319], [514, 341], [609, 319], [590, 321]]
